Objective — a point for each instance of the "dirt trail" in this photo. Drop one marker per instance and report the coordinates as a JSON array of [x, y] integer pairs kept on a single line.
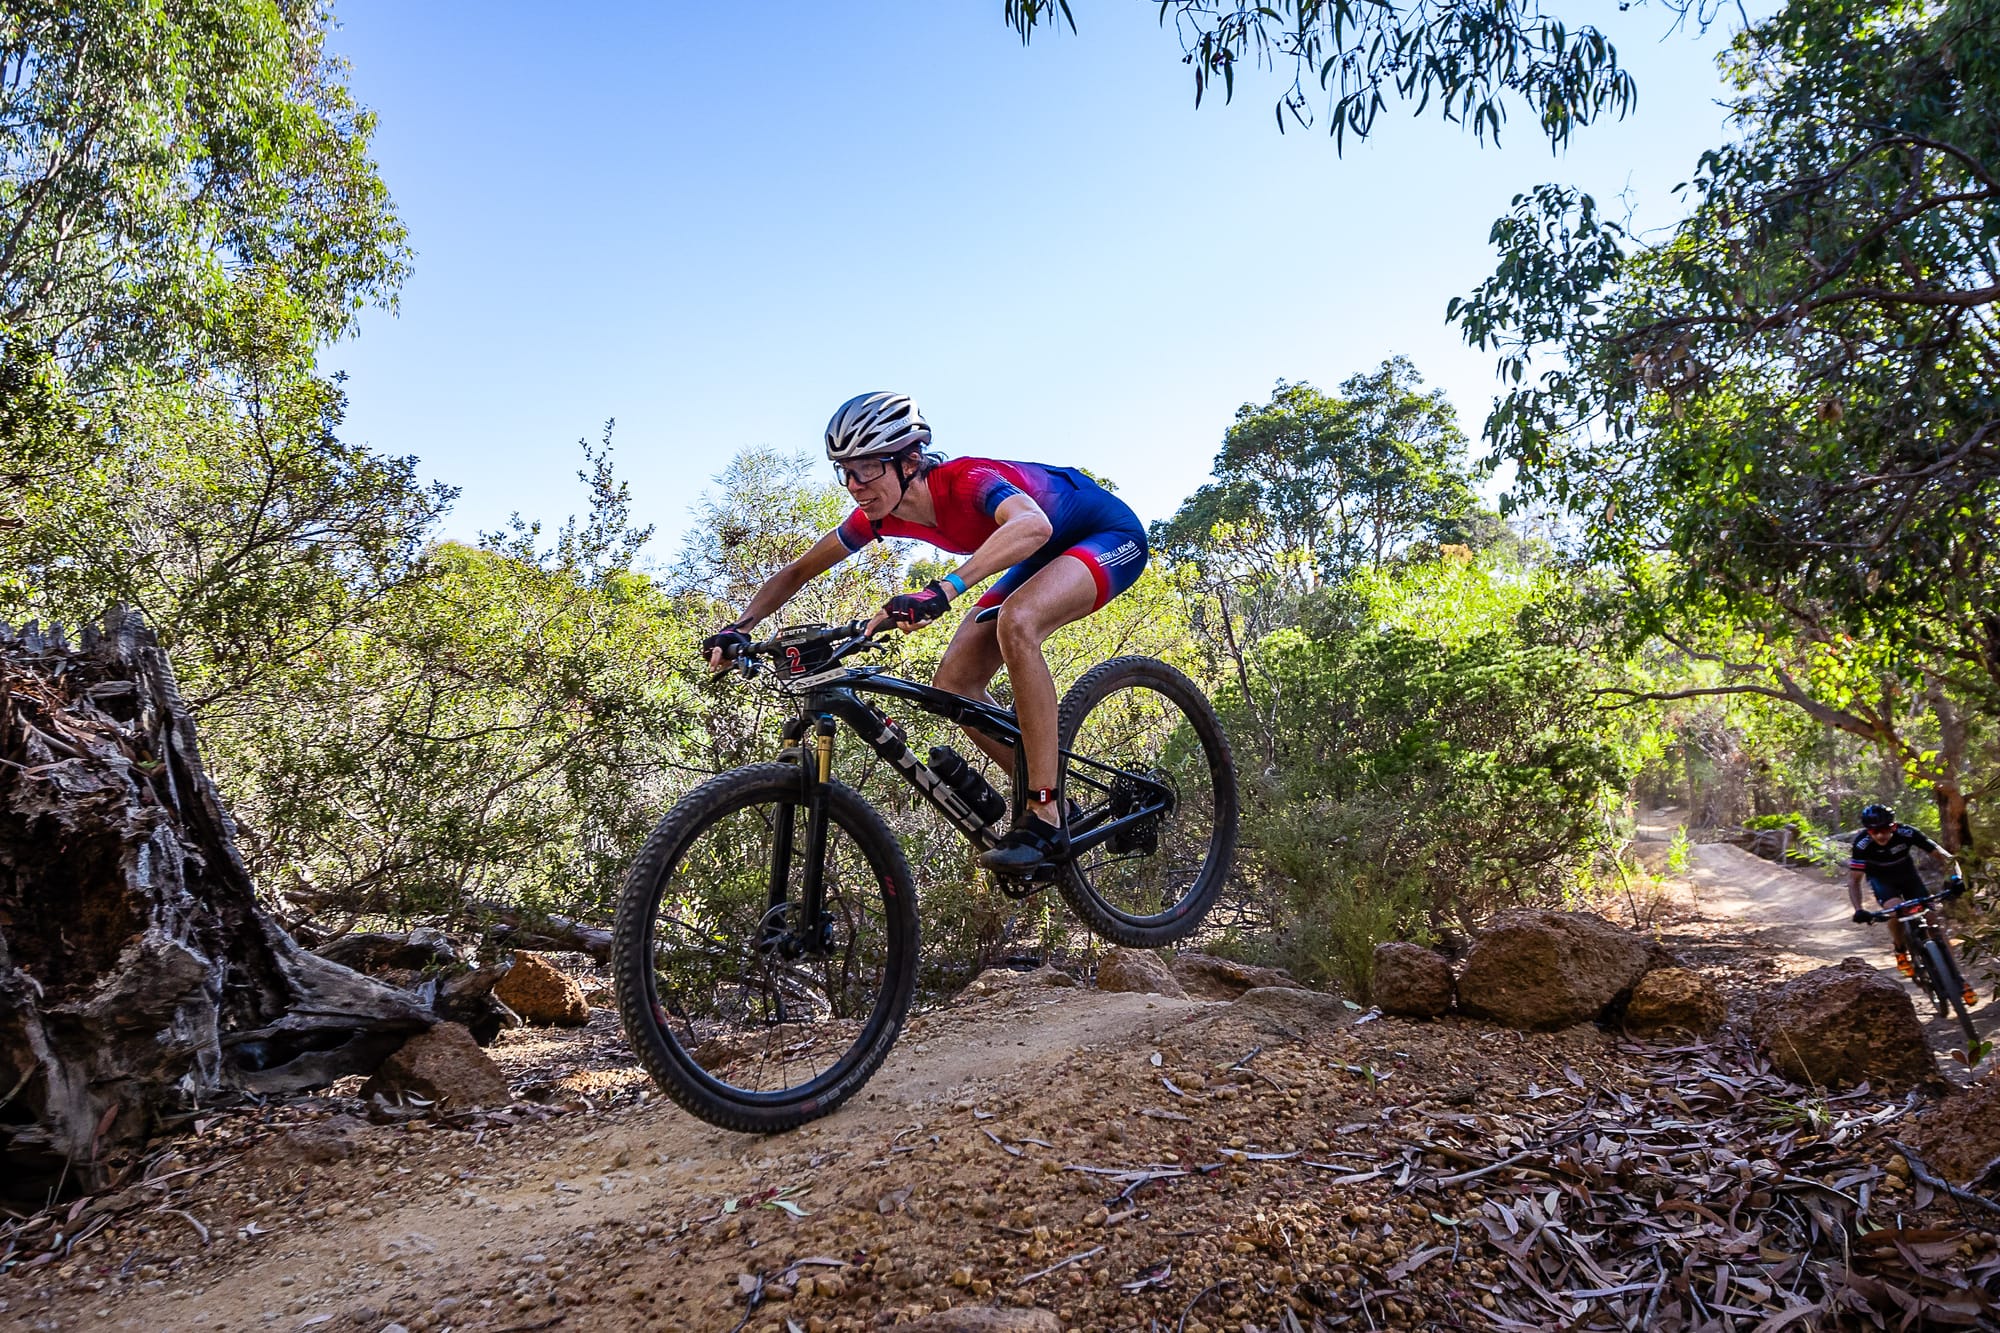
[[445, 1230], [968, 1172], [1797, 920]]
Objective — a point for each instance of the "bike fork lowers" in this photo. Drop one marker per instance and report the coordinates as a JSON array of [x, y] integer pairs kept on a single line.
[[801, 927]]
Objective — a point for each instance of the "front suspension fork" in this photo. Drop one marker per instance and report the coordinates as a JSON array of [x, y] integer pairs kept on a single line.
[[809, 929]]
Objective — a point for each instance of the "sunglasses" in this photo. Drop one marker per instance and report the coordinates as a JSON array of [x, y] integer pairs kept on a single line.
[[865, 471]]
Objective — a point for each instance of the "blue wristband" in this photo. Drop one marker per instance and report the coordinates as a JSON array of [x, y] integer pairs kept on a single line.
[[957, 583]]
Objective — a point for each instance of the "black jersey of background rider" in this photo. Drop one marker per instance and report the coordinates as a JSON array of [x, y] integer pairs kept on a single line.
[[1890, 862]]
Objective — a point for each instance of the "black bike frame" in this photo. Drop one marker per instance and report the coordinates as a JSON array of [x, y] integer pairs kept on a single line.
[[839, 700]]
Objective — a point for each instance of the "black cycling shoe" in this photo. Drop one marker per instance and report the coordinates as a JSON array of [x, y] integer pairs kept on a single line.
[[1031, 848]]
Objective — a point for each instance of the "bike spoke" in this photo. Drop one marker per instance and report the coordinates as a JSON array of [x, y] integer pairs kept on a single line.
[[755, 997]]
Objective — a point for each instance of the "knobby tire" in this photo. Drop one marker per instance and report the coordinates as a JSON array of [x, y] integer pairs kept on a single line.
[[1951, 986], [1177, 919], [648, 1027]]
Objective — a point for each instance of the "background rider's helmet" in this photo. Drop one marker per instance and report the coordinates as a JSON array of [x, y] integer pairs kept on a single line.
[[869, 425], [1878, 816]]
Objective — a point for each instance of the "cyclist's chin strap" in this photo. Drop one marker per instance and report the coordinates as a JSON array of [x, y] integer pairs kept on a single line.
[[902, 489]]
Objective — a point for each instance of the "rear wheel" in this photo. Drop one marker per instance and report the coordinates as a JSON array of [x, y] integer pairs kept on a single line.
[[745, 1013], [1133, 727]]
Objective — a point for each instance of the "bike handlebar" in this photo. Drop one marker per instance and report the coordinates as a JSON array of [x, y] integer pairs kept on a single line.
[[1910, 906], [845, 640]]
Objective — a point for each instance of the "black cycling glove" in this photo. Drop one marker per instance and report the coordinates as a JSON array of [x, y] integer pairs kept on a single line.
[[1953, 887], [911, 609], [1862, 916], [730, 641]]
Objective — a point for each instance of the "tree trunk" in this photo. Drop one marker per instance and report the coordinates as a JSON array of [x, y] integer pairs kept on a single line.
[[1948, 789], [137, 971]]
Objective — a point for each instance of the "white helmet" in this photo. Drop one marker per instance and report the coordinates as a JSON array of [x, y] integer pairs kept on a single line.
[[872, 424]]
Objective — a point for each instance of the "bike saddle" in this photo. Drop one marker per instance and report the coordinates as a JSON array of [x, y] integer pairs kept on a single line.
[[984, 614]]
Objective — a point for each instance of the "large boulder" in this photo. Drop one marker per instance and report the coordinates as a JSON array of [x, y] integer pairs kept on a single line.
[[1841, 1025], [1207, 977], [541, 992], [1674, 1000], [1540, 970], [1411, 980], [1137, 970], [445, 1066], [1960, 1136]]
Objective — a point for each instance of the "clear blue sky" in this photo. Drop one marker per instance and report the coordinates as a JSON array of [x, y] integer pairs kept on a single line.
[[716, 222]]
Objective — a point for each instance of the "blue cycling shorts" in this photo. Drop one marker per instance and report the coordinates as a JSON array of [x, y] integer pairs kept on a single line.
[[1098, 529]]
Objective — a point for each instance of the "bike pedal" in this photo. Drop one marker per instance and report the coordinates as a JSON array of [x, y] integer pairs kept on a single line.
[[1017, 889]]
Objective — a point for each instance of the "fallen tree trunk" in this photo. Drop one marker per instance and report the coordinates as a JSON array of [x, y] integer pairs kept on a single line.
[[137, 970], [517, 929]]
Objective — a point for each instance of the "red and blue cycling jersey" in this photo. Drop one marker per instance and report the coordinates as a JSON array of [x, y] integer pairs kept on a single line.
[[1088, 522]]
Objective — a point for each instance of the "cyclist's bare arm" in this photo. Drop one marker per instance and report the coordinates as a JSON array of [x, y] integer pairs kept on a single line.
[[1023, 530], [784, 585], [1854, 889]]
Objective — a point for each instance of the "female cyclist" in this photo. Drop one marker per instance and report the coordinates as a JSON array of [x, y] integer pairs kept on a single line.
[[1067, 545]]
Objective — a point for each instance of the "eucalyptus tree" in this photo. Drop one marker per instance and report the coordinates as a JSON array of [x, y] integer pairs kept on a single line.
[[1796, 394], [1472, 59]]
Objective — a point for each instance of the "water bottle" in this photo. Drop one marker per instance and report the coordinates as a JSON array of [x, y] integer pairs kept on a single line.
[[964, 779]]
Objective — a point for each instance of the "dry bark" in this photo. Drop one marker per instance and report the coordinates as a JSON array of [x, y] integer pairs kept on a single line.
[[138, 974]]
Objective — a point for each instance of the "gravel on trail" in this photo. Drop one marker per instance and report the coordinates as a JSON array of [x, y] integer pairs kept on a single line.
[[1120, 1161]]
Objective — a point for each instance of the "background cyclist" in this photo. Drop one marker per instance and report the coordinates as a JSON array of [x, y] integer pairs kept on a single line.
[[1883, 852], [1067, 545]]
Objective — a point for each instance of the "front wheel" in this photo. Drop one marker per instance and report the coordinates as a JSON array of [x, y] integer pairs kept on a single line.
[[746, 1013], [1134, 726], [1950, 986]]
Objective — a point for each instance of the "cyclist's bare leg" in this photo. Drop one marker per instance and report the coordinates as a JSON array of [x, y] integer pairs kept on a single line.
[[1896, 938], [968, 667], [1060, 593]]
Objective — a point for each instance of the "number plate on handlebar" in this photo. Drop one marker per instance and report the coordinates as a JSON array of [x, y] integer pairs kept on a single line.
[[802, 649]]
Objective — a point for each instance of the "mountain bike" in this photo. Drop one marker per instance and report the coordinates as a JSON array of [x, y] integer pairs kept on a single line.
[[1936, 969], [765, 955]]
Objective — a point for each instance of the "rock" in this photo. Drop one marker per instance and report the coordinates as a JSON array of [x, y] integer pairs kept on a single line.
[[1137, 970], [1840, 1025], [994, 980], [1410, 980], [1540, 970], [318, 1143], [1960, 1136], [1207, 977], [541, 992], [443, 1065], [986, 1319], [1674, 1000], [601, 997], [1294, 1011]]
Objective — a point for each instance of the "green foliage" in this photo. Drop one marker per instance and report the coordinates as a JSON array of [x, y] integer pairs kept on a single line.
[[494, 731], [1677, 851], [1312, 486], [1471, 59], [242, 527], [157, 161], [1793, 393], [1436, 758]]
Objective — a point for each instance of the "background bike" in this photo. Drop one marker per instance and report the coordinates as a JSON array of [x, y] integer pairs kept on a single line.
[[766, 943], [1930, 953]]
